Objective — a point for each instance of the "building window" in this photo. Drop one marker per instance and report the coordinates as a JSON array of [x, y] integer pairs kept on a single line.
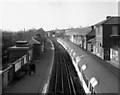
[[114, 30], [114, 55]]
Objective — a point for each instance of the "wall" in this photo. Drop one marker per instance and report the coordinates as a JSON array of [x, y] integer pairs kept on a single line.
[[15, 54], [13, 71], [99, 41], [36, 51], [107, 31]]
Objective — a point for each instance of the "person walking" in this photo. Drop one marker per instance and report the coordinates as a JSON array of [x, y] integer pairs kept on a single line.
[[32, 68]]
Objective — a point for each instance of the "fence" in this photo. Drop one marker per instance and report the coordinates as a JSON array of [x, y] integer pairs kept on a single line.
[[14, 70]]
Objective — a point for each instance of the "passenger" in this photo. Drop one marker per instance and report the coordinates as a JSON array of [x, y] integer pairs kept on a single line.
[[32, 68], [29, 68]]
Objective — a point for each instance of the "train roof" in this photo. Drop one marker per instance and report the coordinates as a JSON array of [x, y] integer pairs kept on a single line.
[[107, 80]]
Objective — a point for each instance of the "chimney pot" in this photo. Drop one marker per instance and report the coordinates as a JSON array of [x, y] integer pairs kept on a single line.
[[108, 17]]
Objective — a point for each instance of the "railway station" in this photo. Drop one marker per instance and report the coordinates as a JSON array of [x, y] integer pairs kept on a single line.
[[62, 68], [74, 55]]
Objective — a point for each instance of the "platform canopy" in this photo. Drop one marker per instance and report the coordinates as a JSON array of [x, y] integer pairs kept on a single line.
[[32, 41]]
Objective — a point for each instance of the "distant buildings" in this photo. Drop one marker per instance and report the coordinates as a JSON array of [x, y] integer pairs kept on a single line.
[[77, 35], [90, 40]]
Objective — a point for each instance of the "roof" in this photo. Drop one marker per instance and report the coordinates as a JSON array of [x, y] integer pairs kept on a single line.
[[111, 20], [21, 41], [90, 35], [32, 41], [18, 48], [102, 74], [39, 39], [107, 80], [78, 31]]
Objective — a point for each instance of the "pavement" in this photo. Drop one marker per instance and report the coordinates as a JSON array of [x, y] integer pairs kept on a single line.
[[35, 83]]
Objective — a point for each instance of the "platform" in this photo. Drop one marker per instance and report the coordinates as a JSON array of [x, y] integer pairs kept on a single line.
[[35, 83]]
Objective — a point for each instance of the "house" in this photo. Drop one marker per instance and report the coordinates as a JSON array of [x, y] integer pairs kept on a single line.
[[85, 31], [77, 35], [41, 39], [107, 38], [90, 40]]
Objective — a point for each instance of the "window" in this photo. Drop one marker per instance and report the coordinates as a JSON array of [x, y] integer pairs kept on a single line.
[[114, 55], [85, 78], [114, 30], [94, 93], [79, 67], [90, 88]]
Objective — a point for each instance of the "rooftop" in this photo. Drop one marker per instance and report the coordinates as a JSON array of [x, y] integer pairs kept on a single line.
[[14, 48], [79, 31], [110, 20], [21, 41]]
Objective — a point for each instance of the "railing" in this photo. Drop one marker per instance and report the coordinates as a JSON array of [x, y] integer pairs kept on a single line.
[[13, 71]]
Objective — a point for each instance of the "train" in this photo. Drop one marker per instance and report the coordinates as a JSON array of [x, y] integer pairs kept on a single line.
[[94, 76]]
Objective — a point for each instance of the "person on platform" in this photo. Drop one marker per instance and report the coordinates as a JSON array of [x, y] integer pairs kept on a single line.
[[32, 68]]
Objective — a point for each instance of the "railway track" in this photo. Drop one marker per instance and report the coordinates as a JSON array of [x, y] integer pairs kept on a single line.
[[64, 79]]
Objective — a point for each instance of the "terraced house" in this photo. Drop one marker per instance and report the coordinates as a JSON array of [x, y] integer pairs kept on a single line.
[[90, 40], [107, 35], [77, 35]]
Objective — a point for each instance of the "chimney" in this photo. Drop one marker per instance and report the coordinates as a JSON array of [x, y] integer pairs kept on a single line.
[[92, 27], [108, 17]]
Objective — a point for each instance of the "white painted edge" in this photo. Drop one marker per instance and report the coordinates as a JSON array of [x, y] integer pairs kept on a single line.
[[36, 41], [45, 88]]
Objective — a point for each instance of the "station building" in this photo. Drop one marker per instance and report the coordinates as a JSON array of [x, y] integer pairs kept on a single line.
[[17, 51]]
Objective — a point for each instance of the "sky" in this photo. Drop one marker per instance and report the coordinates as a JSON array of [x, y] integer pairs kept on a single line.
[[16, 15]]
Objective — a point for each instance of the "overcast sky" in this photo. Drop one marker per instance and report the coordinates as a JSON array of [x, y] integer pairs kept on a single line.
[[20, 14]]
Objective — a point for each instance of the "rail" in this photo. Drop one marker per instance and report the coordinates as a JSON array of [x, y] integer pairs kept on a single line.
[[75, 81], [64, 77], [8, 75]]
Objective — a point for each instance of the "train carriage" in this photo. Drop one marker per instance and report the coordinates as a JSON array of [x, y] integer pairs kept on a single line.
[[94, 76]]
